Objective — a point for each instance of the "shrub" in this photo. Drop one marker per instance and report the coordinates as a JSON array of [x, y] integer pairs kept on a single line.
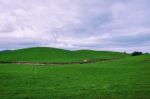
[[146, 53], [136, 53]]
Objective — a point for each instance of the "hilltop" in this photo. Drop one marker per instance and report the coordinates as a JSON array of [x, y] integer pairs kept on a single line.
[[45, 54]]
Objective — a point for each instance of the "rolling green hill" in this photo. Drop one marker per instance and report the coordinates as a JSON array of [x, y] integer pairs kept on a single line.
[[124, 78], [44, 54]]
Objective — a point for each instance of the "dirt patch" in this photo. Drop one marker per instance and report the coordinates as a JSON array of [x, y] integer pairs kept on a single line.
[[88, 61], [147, 60]]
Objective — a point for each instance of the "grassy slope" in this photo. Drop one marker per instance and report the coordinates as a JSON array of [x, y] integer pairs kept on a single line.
[[127, 78], [41, 54]]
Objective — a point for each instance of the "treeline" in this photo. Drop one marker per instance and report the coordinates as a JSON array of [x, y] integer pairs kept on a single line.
[[136, 53]]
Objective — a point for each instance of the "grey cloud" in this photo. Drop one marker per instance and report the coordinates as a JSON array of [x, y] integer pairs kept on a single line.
[[75, 24]]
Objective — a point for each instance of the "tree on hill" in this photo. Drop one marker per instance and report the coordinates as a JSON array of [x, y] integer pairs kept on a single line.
[[136, 53], [146, 53]]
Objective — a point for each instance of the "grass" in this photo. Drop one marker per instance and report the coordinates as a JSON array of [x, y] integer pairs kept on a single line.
[[41, 54], [125, 78]]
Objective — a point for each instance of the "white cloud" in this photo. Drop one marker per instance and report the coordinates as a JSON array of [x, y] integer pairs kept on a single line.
[[73, 24]]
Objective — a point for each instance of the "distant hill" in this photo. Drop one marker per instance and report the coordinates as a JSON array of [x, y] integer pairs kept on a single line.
[[5, 51], [45, 54]]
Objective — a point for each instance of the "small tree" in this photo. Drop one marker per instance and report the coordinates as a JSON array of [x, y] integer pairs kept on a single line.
[[146, 53], [136, 53]]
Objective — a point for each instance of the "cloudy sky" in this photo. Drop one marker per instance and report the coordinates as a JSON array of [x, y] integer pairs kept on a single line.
[[118, 25]]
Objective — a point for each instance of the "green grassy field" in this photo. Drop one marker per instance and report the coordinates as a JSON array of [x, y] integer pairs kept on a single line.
[[125, 78]]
